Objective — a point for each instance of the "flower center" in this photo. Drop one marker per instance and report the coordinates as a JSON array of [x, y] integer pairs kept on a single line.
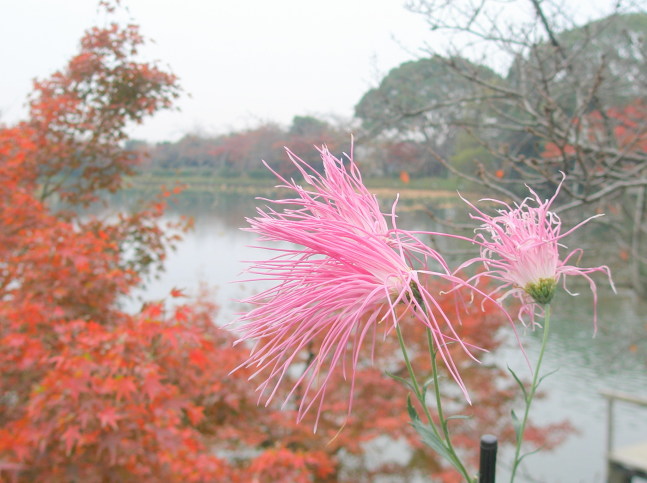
[[541, 291]]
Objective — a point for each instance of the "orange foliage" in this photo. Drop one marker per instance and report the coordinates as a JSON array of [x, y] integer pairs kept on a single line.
[[627, 130]]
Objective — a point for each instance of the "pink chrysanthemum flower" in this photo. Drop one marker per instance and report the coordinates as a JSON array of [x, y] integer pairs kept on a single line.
[[520, 247], [348, 273]]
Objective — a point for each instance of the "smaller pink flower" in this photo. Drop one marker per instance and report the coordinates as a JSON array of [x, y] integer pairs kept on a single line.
[[520, 247]]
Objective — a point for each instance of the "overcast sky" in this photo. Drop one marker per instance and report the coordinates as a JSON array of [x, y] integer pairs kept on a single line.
[[242, 61]]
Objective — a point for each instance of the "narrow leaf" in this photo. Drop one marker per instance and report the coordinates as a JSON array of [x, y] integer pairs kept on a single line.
[[529, 453], [546, 375], [413, 414], [428, 383], [516, 423], [521, 385], [458, 416], [429, 437], [404, 381]]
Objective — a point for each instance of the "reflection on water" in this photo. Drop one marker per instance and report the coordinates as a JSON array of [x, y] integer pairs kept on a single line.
[[214, 253]]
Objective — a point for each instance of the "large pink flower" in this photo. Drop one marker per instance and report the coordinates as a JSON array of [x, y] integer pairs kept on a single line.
[[347, 273], [520, 247]]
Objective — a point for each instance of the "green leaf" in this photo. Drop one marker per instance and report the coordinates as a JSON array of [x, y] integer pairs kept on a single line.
[[431, 439], [428, 383], [523, 388], [458, 416], [413, 414], [529, 453], [404, 381], [516, 423], [546, 375]]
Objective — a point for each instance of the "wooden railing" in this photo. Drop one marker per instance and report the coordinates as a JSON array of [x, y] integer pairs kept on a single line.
[[625, 462]]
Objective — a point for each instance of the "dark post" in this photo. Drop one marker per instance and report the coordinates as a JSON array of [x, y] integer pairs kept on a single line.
[[487, 465]]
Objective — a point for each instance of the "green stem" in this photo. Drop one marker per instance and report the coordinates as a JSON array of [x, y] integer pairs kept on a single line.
[[432, 354], [420, 396], [531, 394], [412, 374]]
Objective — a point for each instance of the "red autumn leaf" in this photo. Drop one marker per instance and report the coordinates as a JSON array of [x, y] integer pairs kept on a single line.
[[153, 310], [176, 292], [71, 436], [109, 417], [182, 313], [125, 387], [152, 386], [195, 414], [197, 357]]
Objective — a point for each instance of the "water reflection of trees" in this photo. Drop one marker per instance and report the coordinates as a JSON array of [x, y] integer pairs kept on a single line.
[[228, 208], [620, 345]]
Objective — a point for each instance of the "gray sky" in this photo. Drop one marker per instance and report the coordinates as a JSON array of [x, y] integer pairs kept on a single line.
[[242, 61]]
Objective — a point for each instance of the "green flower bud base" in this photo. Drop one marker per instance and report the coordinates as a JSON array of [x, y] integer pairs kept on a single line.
[[542, 291]]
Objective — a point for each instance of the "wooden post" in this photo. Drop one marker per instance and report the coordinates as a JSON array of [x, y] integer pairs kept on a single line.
[[610, 402], [487, 466], [628, 461]]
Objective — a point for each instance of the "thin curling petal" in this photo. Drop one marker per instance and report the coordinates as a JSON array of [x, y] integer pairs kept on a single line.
[[349, 272], [520, 248]]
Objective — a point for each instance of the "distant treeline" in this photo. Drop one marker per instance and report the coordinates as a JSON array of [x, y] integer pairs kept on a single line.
[[242, 153]]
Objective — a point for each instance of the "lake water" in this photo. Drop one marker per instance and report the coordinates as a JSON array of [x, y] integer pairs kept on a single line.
[[213, 254]]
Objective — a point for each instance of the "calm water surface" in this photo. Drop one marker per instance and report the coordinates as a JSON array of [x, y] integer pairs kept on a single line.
[[214, 252]]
